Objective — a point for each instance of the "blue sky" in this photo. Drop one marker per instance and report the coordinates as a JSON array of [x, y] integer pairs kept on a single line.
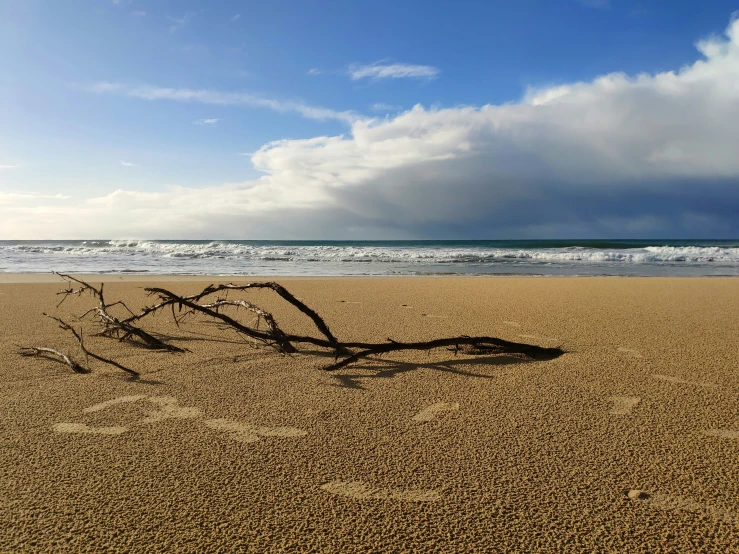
[[276, 119]]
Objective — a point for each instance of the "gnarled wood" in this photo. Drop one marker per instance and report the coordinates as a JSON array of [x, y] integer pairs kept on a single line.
[[345, 353], [112, 326]]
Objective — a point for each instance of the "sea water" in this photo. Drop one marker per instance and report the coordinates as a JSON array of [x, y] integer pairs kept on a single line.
[[454, 257]]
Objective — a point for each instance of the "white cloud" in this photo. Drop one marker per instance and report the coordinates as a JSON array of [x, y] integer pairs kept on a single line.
[[16, 197], [615, 156], [139, 13], [315, 71], [148, 92], [380, 70], [127, 164], [6, 166], [209, 122], [235, 17]]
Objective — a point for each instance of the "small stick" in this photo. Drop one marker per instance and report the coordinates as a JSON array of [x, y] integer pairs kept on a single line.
[[64, 325], [52, 354]]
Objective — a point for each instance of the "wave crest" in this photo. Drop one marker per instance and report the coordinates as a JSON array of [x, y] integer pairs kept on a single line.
[[235, 251]]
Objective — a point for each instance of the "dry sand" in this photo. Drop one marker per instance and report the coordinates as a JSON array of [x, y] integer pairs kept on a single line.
[[627, 443]]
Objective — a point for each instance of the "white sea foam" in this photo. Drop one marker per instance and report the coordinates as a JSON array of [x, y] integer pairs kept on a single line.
[[246, 257], [382, 253]]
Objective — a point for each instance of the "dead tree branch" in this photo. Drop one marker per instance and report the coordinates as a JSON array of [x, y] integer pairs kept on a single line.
[[112, 326], [345, 353], [267, 317], [213, 289], [52, 354], [482, 345], [78, 336]]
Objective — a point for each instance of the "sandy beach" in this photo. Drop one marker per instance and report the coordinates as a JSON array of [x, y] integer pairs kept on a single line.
[[629, 442]]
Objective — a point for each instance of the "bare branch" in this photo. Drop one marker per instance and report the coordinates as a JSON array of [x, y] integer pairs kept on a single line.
[[112, 326], [345, 353], [286, 295], [481, 345], [268, 318], [276, 287], [52, 354], [64, 325], [268, 337]]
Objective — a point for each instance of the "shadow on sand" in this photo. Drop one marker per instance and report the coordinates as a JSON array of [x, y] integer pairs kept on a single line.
[[389, 369]]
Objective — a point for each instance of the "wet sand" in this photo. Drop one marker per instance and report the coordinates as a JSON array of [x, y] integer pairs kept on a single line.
[[627, 443]]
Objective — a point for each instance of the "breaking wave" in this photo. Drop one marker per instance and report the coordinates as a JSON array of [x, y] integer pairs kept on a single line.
[[236, 257]]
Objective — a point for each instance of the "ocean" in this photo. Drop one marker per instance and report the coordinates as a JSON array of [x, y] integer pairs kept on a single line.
[[324, 258]]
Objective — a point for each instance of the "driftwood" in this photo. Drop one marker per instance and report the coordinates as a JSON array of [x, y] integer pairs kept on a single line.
[[78, 336], [112, 326], [345, 353], [52, 354]]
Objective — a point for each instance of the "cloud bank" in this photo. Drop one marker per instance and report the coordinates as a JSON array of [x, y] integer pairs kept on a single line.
[[618, 156]]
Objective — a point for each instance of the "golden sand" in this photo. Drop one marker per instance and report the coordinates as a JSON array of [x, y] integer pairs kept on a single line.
[[627, 443]]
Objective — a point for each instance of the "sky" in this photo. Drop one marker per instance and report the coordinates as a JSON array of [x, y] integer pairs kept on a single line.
[[402, 119]]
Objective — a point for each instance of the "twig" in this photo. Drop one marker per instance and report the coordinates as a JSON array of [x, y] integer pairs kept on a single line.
[[64, 325], [279, 289], [112, 326], [52, 354], [268, 318]]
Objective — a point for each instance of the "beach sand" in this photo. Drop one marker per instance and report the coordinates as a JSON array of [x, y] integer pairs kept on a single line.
[[627, 443]]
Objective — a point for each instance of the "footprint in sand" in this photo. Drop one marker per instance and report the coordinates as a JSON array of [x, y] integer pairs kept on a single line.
[[630, 351], [722, 433], [512, 323], [113, 402], [348, 302], [429, 315], [363, 491], [405, 306], [682, 504], [81, 428], [623, 405], [244, 432], [427, 414], [677, 380], [170, 410]]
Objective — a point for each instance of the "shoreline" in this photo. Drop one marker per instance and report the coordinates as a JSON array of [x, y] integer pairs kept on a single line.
[[18, 278]]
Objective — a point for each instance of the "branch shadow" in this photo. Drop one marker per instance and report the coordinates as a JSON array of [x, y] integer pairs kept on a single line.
[[188, 338], [353, 380]]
